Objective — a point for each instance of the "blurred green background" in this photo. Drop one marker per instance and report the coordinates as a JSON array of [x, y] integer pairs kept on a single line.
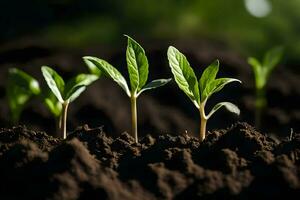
[[246, 26]]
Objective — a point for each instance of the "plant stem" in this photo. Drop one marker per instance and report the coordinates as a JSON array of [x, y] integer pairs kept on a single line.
[[202, 128], [58, 122], [63, 124], [260, 104], [203, 121], [134, 118]]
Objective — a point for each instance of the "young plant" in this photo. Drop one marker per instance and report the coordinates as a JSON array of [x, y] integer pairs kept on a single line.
[[262, 71], [65, 92], [137, 65], [20, 88], [199, 92]]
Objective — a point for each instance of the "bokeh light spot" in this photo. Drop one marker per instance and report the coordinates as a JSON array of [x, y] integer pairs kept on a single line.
[[258, 8]]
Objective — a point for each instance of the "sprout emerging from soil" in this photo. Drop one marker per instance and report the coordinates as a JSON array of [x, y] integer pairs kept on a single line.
[[137, 65], [262, 71], [65, 92], [199, 92], [20, 88]]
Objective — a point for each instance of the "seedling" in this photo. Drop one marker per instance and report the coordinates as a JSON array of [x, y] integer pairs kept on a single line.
[[137, 65], [65, 92], [52, 103], [199, 92], [20, 88], [262, 71]]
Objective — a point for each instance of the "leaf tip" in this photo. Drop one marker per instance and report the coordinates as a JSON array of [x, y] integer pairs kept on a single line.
[[171, 48], [217, 62], [87, 58]]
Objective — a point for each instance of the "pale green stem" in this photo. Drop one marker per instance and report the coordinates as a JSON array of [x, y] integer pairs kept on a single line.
[[58, 122], [202, 129], [63, 124], [203, 121], [134, 118]]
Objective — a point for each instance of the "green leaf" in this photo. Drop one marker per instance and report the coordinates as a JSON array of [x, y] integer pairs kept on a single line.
[[93, 68], [184, 75], [51, 102], [208, 76], [217, 85], [110, 71], [54, 81], [154, 84], [254, 62], [271, 59], [137, 64], [263, 70], [24, 80], [19, 89], [259, 74], [229, 106], [75, 92], [77, 83]]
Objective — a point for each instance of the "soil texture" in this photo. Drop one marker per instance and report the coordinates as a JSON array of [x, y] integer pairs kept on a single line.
[[234, 163]]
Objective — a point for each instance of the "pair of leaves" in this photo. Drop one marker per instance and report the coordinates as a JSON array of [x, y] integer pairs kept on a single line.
[[66, 92], [262, 70], [200, 91], [20, 88], [138, 69]]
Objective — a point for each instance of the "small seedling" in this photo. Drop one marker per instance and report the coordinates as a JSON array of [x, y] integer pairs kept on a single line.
[[20, 88], [137, 65], [65, 92], [262, 71], [199, 92]]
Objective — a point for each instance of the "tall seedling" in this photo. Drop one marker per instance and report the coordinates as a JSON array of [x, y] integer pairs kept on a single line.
[[199, 91], [137, 65], [262, 71], [20, 88], [66, 92]]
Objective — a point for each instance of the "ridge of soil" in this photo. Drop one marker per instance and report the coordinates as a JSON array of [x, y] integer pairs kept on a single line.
[[236, 163]]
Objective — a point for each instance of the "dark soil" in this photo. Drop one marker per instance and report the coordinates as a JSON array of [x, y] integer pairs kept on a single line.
[[237, 163]]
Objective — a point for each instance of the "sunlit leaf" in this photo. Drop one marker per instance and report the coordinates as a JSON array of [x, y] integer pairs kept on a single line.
[[110, 71], [229, 106], [55, 82], [137, 64], [208, 76], [184, 74], [154, 84]]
